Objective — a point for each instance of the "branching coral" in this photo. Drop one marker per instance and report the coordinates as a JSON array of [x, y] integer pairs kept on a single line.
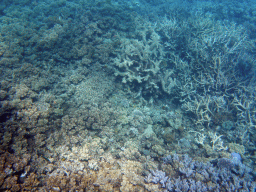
[[208, 64], [226, 174], [139, 59], [66, 125]]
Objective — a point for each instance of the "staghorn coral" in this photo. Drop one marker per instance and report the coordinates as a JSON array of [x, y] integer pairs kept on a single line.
[[61, 105], [139, 58]]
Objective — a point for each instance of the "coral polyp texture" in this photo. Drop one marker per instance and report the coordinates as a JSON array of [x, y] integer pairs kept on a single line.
[[114, 95]]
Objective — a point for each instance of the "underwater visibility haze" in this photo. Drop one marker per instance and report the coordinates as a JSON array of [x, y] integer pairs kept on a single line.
[[128, 95]]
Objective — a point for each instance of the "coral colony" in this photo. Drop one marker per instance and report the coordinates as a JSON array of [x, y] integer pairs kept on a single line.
[[128, 95]]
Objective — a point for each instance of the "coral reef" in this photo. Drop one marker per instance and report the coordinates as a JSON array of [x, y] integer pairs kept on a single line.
[[140, 57], [228, 174], [114, 95]]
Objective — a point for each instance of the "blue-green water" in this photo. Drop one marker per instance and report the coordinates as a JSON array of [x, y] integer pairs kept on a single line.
[[139, 95]]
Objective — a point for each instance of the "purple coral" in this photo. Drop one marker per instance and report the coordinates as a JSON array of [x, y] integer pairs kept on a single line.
[[223, 174], [236, 156], [157, 177]]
